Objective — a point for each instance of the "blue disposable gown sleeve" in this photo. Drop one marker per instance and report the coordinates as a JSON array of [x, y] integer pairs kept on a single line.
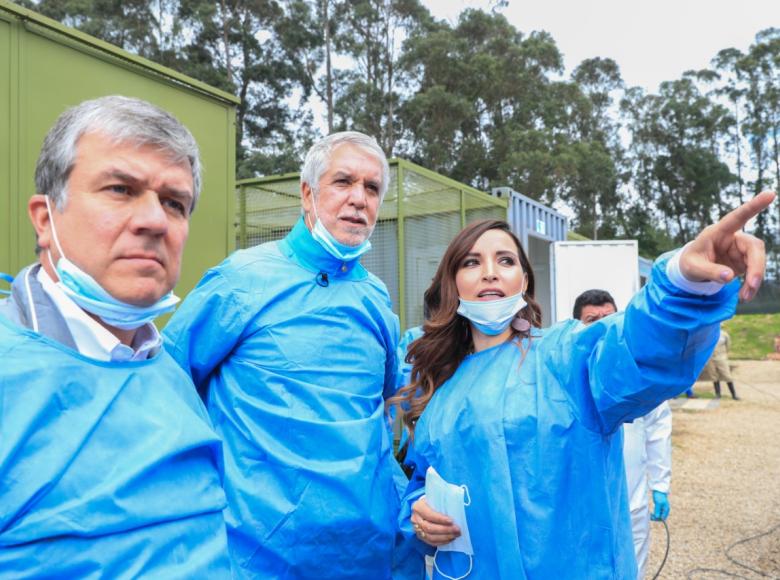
[[625, 365], [414, 491], [208, 325], [403, 375], [409, 557], [405, 368], [391, 363]]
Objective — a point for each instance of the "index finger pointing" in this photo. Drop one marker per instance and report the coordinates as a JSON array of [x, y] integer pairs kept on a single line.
[[735, 220]]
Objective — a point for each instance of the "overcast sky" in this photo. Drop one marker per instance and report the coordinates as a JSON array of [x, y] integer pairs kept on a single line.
[[651, 40]]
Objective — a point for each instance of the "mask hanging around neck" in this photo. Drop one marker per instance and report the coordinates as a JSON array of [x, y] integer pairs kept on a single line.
[[331, 245], [85, 291]]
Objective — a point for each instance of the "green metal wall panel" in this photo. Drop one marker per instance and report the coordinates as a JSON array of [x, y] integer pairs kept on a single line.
[[57, 71], [6, 174]]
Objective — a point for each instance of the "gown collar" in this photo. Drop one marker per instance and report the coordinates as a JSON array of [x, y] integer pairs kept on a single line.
[[302, 248]]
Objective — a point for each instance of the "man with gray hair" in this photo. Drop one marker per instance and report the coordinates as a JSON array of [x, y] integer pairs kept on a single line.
[[293, 345], [109, 466]]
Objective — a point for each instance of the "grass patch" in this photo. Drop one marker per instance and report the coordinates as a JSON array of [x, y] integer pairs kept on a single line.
[[752, 335]]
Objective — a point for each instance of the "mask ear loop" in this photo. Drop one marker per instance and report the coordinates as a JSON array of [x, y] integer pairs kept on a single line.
[[54, 234], [33, 313], [466, 502], [314, 207], [435, 565]]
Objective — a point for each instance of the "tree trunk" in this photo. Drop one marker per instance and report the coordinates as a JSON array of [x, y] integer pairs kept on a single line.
[[328, 65], [241, 111], [777, 155], [777, 187], [737, 140], [225, 41], [389, 93]]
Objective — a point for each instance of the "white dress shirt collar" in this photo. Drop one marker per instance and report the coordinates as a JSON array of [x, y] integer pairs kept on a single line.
[[91, 338]]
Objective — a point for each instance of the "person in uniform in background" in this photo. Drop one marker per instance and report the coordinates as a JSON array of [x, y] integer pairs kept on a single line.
[[718, 368], [647, 446]]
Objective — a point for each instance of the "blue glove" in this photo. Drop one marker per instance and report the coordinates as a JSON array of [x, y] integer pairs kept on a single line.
[[660, 506]]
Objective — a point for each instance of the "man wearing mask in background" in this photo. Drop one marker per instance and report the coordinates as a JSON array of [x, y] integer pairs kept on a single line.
[[293, 345], [647, 445], [108, 464]]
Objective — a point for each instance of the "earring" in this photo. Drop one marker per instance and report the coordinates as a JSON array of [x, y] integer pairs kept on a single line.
[[521, 324]]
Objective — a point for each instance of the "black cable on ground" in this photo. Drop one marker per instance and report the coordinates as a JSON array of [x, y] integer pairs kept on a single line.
[[690, 573], [756, 537], [767, 393], [666, 554]]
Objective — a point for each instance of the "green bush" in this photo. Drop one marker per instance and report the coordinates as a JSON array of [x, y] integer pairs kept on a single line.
[[752, 335]]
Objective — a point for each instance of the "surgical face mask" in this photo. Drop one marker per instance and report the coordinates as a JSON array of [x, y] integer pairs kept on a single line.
[[492, 317], [451, 500], [331, 245], [85, 291]]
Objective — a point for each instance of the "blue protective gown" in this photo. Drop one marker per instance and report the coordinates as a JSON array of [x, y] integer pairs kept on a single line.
[[296, 351], [405, 368], [537, 441], [107, 469]]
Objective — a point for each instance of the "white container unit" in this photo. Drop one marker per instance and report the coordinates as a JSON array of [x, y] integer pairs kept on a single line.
[[611, 265]]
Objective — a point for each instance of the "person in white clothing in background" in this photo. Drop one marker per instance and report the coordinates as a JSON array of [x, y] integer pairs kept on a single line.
[[647, 452], [647, 446]]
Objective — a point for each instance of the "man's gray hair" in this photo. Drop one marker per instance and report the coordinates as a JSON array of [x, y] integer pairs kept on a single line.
[[318, 158], [121, 119]]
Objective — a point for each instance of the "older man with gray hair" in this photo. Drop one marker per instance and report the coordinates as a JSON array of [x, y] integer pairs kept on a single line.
[[109, 466], [293, 344]]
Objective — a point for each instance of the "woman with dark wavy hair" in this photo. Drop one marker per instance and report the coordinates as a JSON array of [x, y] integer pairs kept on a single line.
[[515, 446], [448, 338]]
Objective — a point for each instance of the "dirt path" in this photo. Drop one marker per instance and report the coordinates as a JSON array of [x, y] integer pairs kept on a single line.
[[726, 484]]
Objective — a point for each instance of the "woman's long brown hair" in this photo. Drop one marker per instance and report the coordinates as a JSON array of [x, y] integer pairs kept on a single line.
[[447, 335]]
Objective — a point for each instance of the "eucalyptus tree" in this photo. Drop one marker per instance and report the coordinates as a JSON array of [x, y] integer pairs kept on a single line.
[[760, 74], [248, 47], [372, 34], [595, 194], [477, 111], [726, 68], [675, 167]]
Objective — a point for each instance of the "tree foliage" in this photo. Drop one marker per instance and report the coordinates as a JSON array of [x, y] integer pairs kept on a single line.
[[477, 100]]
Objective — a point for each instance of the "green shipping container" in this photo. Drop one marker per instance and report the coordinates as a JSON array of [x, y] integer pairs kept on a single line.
[[46, 68]]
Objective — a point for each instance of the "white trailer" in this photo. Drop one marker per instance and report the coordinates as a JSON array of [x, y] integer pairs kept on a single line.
[[611, 265]]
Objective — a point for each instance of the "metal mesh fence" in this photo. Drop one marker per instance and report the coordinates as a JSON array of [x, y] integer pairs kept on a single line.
[[267, 211], [382, 259], [432, 217], [432, 209], [477, 207]]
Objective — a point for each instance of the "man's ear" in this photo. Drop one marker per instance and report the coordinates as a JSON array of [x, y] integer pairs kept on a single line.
[[307, 197], [41, 219]]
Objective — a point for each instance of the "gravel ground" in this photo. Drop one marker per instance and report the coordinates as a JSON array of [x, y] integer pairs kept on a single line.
[[726, 484]]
